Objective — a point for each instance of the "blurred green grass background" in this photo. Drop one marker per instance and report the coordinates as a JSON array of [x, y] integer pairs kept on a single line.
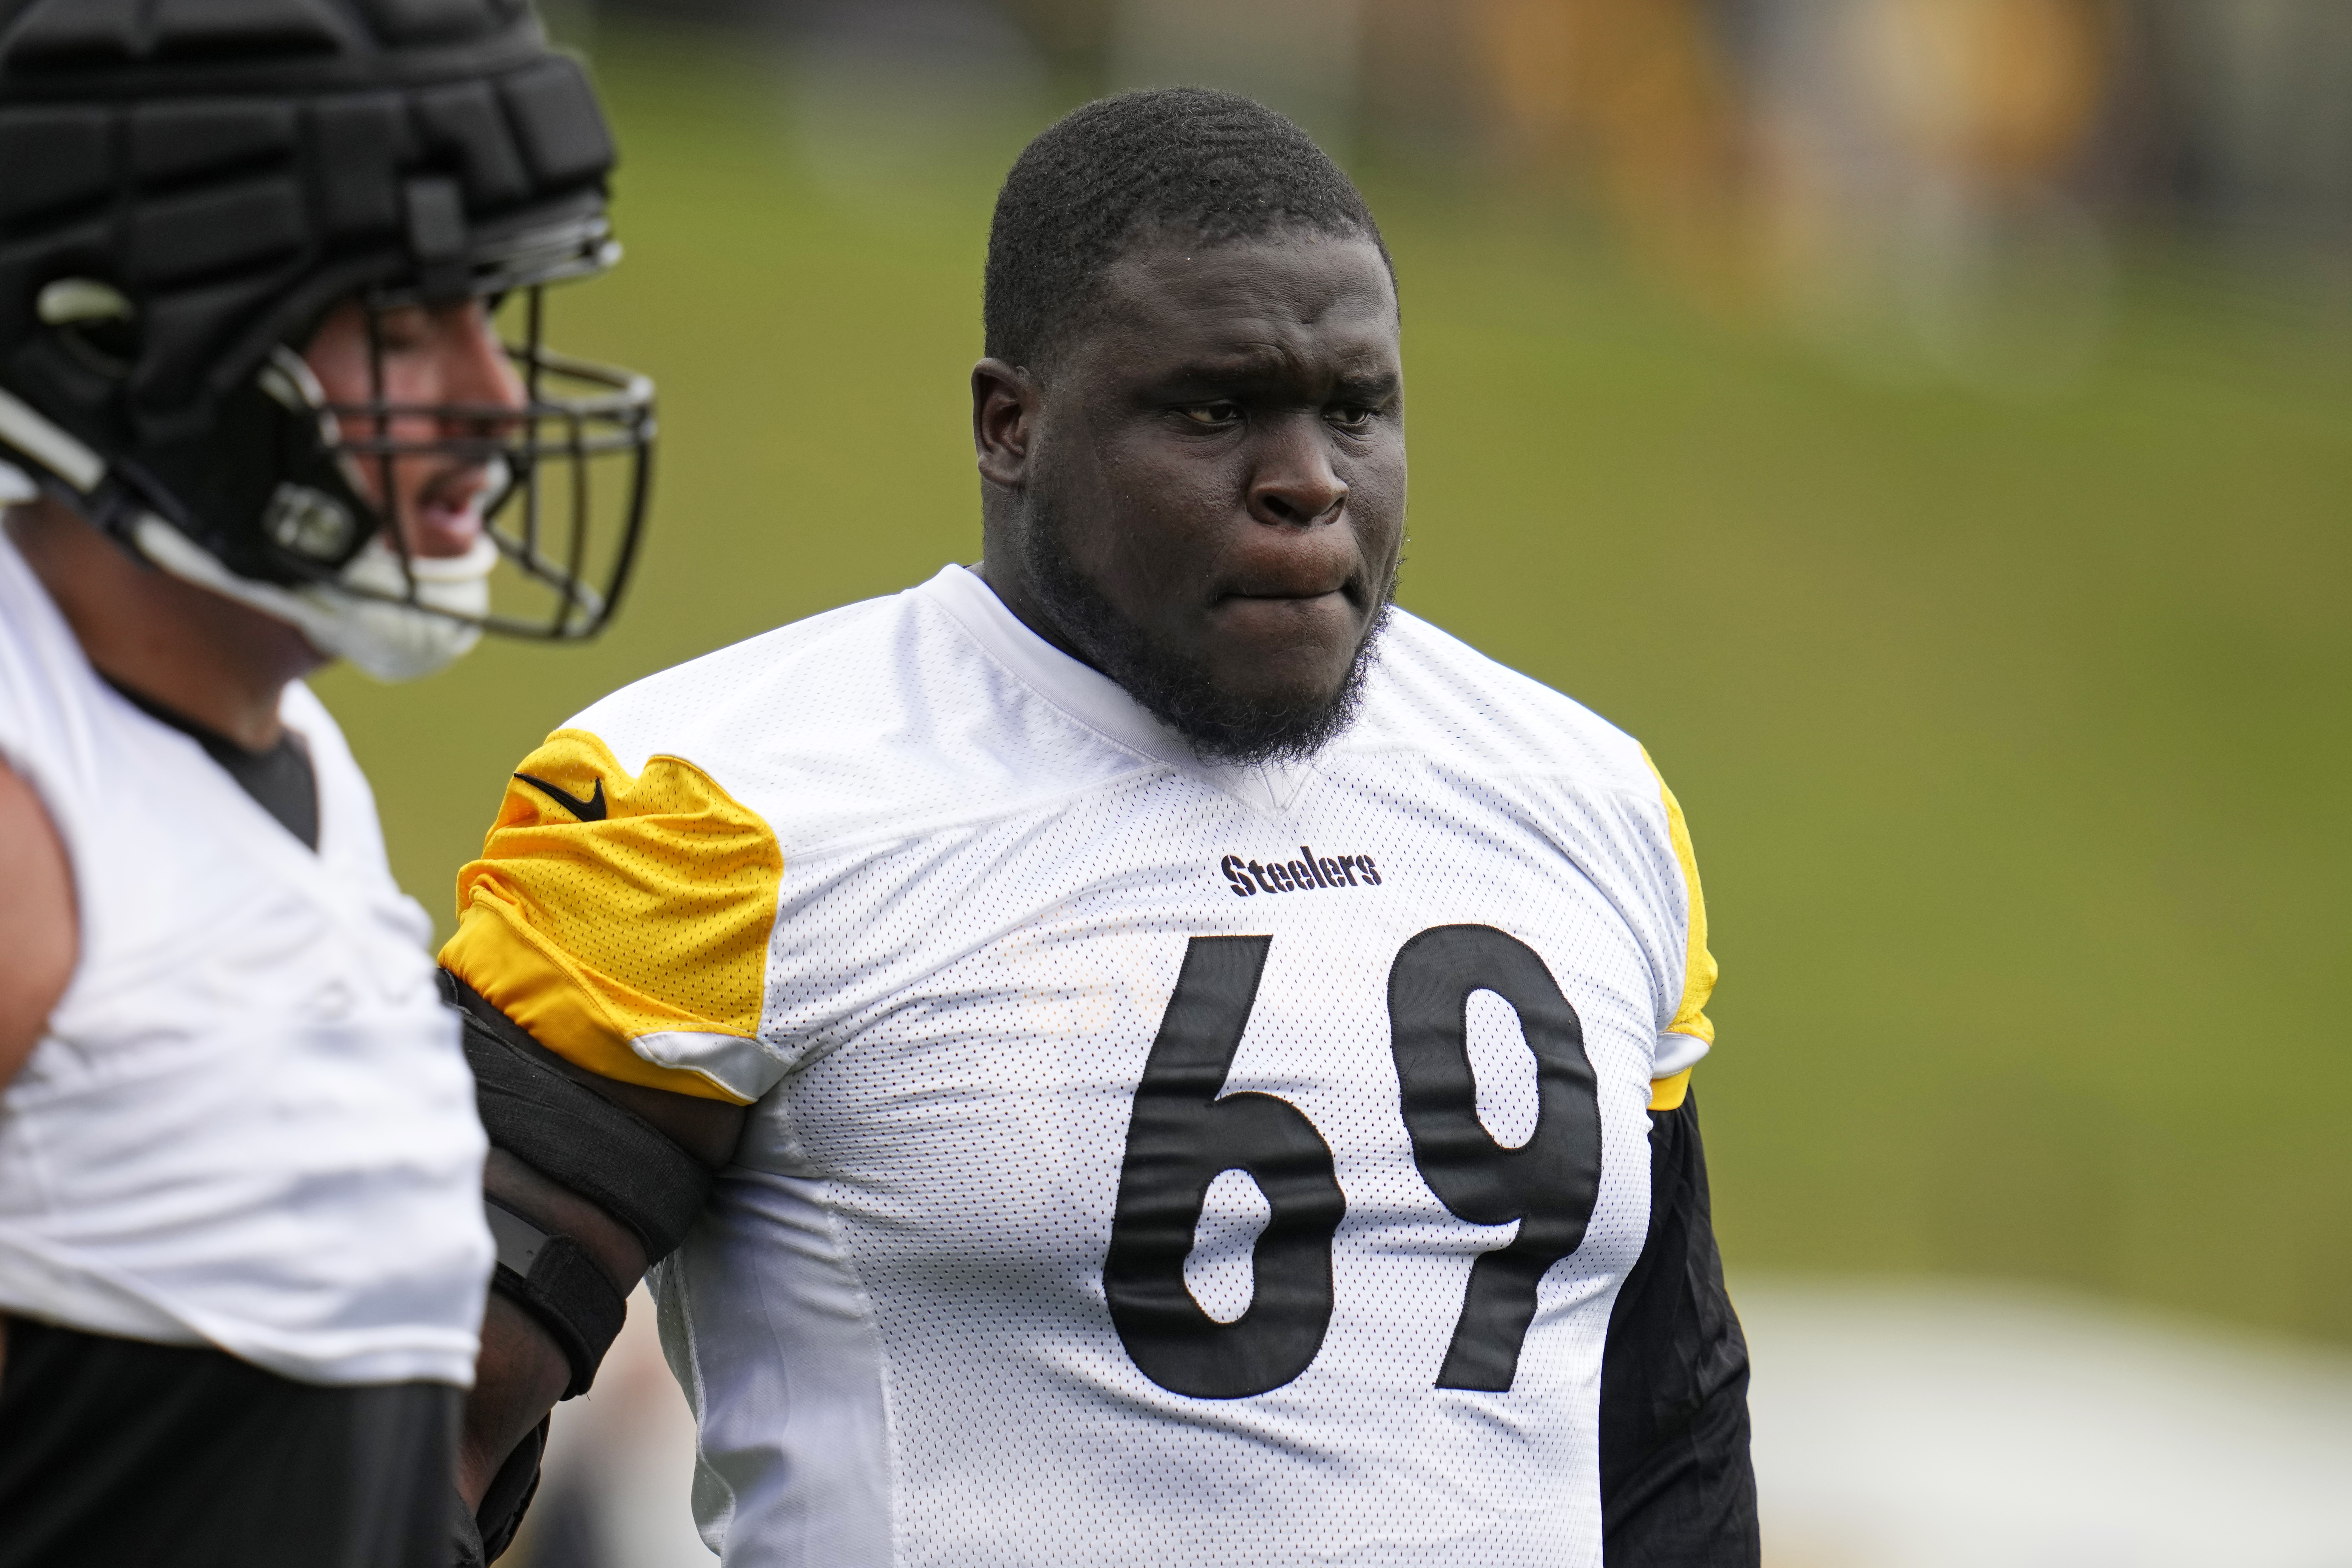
[[2013, 733]]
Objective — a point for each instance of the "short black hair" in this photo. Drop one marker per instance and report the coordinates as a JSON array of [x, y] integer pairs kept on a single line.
[[1216, 164]]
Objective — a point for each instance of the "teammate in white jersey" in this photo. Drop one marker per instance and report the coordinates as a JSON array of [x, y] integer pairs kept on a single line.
[[1137, 1052], [253, 415]]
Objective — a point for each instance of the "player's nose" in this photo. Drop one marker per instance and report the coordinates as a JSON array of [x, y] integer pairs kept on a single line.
[[476, 372], [1292, 483]]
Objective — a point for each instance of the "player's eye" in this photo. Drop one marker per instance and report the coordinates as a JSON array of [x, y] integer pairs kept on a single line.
[[1213, 414], [1350, 416], [403, 331]]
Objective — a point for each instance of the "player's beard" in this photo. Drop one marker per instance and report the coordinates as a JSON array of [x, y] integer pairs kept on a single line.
[[1220, 726]]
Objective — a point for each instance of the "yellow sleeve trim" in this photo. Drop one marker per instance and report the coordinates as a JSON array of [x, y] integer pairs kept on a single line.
[[1667, 1093], [1698, 964], [606, 908], [498, 955]]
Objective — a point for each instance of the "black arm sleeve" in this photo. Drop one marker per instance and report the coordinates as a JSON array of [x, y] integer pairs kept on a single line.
[[575, 1137], [1676, 1487]]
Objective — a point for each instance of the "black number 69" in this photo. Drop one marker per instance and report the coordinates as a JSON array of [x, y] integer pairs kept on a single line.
[[1184, 1132]]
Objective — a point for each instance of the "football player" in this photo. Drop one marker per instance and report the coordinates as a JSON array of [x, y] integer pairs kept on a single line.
[[1136, 1052], [253, 415]]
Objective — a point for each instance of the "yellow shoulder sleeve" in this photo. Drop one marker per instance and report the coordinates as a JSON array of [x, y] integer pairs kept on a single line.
[[1698, 963], [623, 919]]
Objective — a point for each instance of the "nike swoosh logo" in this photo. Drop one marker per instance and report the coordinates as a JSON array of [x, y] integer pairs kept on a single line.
[[589, 810]]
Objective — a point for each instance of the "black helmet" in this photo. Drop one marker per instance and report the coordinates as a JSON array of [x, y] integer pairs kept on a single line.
[[187, 187]]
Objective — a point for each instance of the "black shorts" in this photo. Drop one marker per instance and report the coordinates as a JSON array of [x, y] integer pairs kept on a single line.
[[117, 1452]]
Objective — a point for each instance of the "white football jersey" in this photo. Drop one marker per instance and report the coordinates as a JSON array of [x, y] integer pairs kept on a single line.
[[1148, 1162], [249, 1122]]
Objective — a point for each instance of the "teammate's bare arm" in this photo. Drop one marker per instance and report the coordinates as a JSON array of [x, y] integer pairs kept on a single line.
[[37, 934]]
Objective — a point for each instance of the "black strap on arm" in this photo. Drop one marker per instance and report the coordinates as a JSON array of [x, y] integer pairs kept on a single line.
[[1678, 1489], [553, 1278], [534, 1110]]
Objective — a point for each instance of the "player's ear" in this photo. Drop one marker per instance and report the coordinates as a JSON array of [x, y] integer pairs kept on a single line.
[[1004, 399]]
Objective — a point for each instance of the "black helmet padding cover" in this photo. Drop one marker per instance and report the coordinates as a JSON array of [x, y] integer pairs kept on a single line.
[[234, 167]]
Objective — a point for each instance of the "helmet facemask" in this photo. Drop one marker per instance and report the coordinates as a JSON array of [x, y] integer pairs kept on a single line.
[[569, 466], [570, 473]]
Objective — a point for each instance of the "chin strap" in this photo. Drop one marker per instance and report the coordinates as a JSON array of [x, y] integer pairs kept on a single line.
[[389, 640]]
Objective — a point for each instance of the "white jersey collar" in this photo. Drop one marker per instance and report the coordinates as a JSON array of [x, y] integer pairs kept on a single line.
[[1092, 697]]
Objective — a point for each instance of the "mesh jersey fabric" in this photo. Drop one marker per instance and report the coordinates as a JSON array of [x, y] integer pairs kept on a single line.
[[978, 871], [249, 1122]]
